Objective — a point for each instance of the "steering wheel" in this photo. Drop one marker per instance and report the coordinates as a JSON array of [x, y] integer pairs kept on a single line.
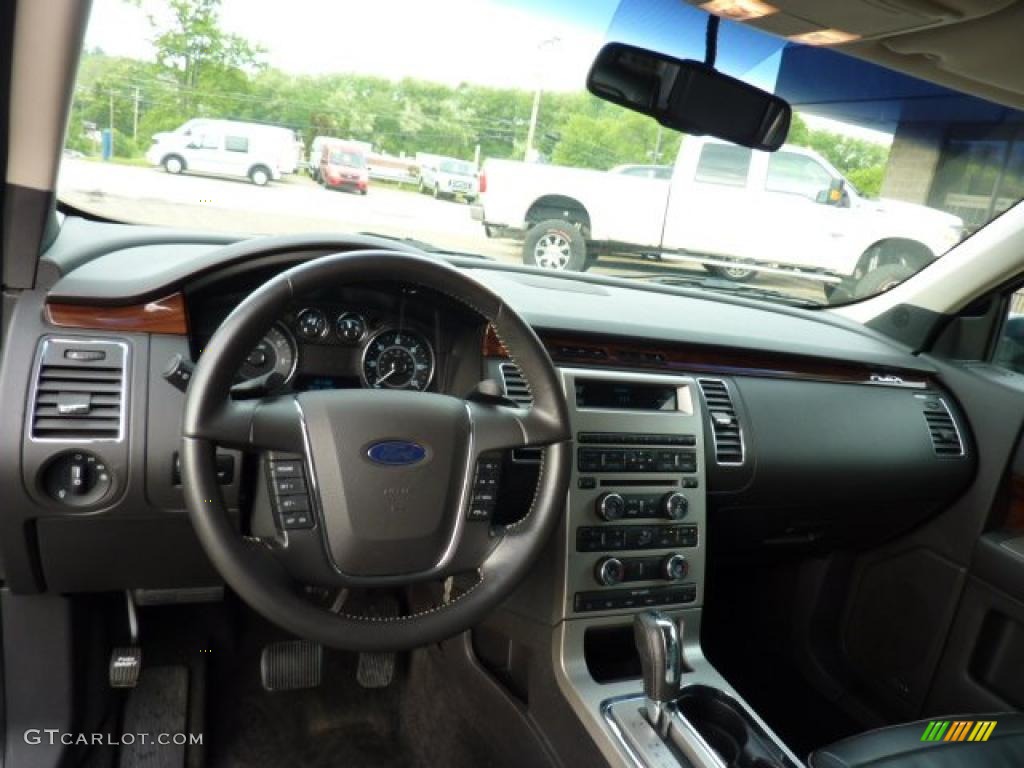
[[375, 524]]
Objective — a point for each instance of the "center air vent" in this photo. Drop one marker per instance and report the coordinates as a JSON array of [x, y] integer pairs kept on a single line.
[[942, 428], [79, 391], [515, 385], [725, 426]]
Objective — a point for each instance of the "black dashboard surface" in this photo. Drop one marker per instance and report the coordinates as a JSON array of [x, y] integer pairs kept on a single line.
[[831, 464]]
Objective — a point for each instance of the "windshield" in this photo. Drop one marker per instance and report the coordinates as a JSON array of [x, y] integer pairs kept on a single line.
[[351, 159], [881, 173], [454, 166]]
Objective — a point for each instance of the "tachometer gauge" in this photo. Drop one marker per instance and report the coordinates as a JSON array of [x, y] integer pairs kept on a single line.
[[397, 359], [272, 361]]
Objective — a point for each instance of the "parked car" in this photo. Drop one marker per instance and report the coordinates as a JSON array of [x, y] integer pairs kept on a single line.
[[447, 177], [343, 166], [258, 152], [802, 217], [316, 150]]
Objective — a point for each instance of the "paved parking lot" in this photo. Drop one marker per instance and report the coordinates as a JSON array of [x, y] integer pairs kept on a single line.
[[296, 204]]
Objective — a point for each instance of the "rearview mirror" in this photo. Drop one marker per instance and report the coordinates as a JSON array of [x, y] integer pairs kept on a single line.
[[690, 96]]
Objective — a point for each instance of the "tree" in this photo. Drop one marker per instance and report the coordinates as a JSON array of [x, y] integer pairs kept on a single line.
[[203, 59]]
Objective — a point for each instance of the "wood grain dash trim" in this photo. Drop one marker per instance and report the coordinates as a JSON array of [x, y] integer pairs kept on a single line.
[[166, 315]]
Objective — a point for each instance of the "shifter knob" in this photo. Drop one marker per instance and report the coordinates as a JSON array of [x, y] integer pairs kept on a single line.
[[660, 645]]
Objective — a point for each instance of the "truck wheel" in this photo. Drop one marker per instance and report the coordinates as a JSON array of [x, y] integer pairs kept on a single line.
[[881, 280], [259, 176], [736, 274], [174, 164], [555, 244]]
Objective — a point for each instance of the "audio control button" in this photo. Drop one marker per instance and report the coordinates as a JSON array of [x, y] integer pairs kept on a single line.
[[674, 567], [610, 506], [674, 506], [609, 571]]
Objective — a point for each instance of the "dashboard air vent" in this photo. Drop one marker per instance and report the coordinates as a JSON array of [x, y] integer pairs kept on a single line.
[[725, 426], [515, 385], [942, 428], [79, 391]]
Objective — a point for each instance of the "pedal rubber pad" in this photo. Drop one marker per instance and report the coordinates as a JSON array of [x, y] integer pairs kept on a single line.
[[125, 666], [377, 670], [291, 665]]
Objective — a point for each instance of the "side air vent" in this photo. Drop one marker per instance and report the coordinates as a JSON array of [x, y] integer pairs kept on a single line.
[[942, 429], [726, 431], [515, 384], [516, 389], [79, 392]]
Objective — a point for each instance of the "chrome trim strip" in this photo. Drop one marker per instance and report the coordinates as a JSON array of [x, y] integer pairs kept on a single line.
[[34, 392]]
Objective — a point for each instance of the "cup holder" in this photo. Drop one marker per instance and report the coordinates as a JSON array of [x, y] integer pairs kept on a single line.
[[729, 729]]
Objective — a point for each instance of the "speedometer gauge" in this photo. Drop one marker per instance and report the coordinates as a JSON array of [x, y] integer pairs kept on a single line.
[[397, 359], [273, 360]]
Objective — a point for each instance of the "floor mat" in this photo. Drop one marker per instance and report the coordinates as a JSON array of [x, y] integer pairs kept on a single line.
[[337, 725]]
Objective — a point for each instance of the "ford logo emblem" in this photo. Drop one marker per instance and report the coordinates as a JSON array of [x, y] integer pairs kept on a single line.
[[396, 453]]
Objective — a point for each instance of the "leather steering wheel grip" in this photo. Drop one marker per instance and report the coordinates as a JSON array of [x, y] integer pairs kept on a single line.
[[250, 568]]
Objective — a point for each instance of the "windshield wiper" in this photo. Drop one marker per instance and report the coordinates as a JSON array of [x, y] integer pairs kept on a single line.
[[427, 247], [727, 286]]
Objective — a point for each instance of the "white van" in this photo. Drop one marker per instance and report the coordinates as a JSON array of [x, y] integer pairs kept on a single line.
[[227, 148]]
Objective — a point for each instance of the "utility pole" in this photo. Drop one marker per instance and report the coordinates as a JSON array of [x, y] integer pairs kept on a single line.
[[535, 112], [135, 121], [657, 147], [111, 111]]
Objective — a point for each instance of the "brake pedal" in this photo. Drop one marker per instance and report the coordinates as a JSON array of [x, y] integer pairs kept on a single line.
[[125, 666], [377, 670], [291, 665]]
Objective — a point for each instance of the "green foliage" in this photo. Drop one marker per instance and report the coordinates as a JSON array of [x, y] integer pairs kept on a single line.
[[200, 71]]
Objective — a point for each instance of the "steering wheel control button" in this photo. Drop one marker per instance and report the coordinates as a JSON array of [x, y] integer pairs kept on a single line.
[[287, 485], [485, 488], [609, 571], [611, 506], [289, 494], [312, 324], [281, 469], [77, 479]]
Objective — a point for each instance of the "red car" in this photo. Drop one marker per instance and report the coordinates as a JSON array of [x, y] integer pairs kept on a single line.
[[344, 167]]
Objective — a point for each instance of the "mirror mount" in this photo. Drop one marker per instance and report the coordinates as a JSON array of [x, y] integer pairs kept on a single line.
[[690, 96]]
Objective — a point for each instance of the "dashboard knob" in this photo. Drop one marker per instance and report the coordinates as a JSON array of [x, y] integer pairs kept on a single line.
[[610, 506], [674, 567], [674, 505], [609, 571]]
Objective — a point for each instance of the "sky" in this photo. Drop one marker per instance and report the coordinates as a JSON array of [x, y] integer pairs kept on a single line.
[[487, 42], [503, 43]]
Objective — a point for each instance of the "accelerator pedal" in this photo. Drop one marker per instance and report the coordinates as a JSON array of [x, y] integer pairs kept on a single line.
[[291, 665], [377, 670]]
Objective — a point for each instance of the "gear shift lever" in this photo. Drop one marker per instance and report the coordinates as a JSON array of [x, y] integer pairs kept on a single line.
[[659, 641]]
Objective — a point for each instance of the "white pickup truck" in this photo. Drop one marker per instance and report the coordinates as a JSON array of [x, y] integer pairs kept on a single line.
[[737, 212]]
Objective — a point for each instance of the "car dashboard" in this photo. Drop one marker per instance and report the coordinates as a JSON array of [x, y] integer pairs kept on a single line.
[[724, 427]]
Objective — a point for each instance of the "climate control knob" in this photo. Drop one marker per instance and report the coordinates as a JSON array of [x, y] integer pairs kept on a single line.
[[674, 567], [610, 506], [674, 505], [609, 571]]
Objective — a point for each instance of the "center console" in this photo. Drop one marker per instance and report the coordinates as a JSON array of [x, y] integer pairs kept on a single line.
[[634, 541], [636, 514]]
